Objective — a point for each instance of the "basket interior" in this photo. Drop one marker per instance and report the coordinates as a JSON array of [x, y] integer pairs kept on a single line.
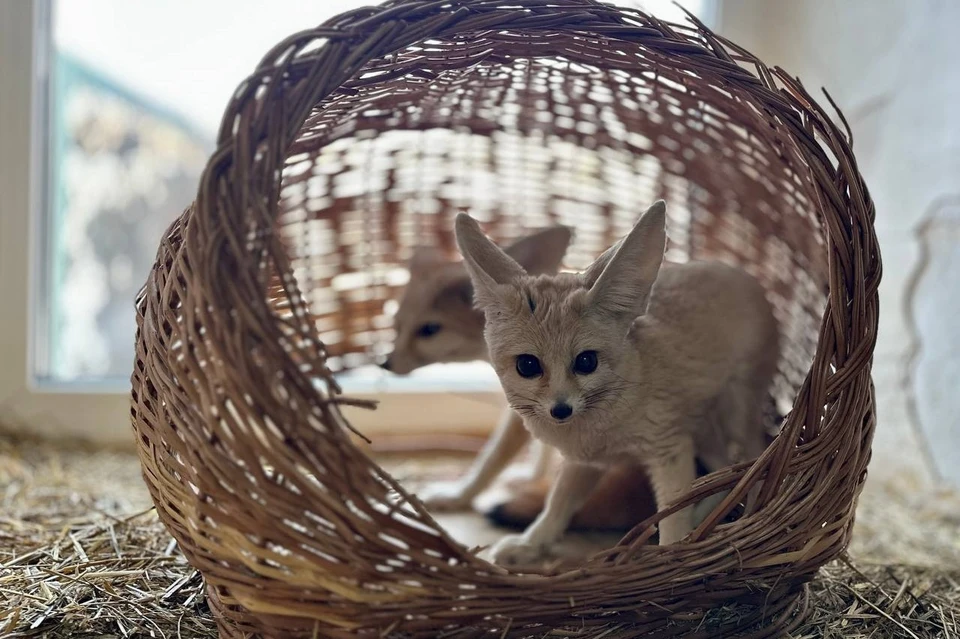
[[575, 135]]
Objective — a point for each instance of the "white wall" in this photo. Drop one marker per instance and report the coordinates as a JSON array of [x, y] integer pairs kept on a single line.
[[894, 69]]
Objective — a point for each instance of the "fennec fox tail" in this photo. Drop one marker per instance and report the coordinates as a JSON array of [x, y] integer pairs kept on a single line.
[[626, 363]]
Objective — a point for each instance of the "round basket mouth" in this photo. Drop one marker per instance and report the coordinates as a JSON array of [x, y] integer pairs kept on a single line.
[[529, 129], [356, 141]]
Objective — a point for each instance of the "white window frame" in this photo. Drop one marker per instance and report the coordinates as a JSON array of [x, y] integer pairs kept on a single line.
[[100, 412]]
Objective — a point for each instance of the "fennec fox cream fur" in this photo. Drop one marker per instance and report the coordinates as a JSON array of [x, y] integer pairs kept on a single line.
[[626, 363], [436, 322]]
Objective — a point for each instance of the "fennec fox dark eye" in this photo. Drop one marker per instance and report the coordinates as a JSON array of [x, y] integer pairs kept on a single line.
[[585, 363], [529, 366], [428, 330]]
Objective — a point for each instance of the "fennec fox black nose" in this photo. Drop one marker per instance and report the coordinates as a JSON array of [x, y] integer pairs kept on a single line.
[[386, 365], [561, 411]]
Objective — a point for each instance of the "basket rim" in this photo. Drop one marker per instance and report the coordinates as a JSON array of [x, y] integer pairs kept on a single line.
[[236, 207]]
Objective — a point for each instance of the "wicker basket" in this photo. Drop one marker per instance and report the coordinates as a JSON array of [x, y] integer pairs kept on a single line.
[[355, 141]]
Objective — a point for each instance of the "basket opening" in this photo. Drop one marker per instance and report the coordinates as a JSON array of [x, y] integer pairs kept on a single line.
[[586, 137]]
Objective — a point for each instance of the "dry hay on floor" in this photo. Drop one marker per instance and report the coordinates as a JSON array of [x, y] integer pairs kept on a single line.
[[102, 576], [75, 563]]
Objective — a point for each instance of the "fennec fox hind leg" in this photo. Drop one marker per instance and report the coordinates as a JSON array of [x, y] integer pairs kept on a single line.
[[437, 323], [610, 368]]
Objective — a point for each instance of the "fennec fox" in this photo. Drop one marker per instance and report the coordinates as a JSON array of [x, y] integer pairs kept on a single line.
[[436, 322], [626, 363]]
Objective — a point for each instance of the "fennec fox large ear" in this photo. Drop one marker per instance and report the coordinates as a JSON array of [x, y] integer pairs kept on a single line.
[[620, 280], [541, 252], [489, 267]]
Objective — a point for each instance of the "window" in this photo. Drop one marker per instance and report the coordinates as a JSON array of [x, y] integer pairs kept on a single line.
[[117, 103]]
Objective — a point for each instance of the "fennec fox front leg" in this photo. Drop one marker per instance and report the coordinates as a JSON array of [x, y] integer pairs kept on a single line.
[[569, 493], [574, 486], [506, 441], [626, 363], [671, 477], [437, 323]]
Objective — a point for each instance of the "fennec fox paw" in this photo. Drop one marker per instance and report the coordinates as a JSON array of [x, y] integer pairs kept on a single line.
[[515, 550], [446, 497]]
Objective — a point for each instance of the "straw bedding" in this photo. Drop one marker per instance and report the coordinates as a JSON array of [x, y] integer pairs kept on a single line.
[[83, 555]]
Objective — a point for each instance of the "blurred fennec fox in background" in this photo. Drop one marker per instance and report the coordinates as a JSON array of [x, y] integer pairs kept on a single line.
[[626, 363], [436, 322]]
